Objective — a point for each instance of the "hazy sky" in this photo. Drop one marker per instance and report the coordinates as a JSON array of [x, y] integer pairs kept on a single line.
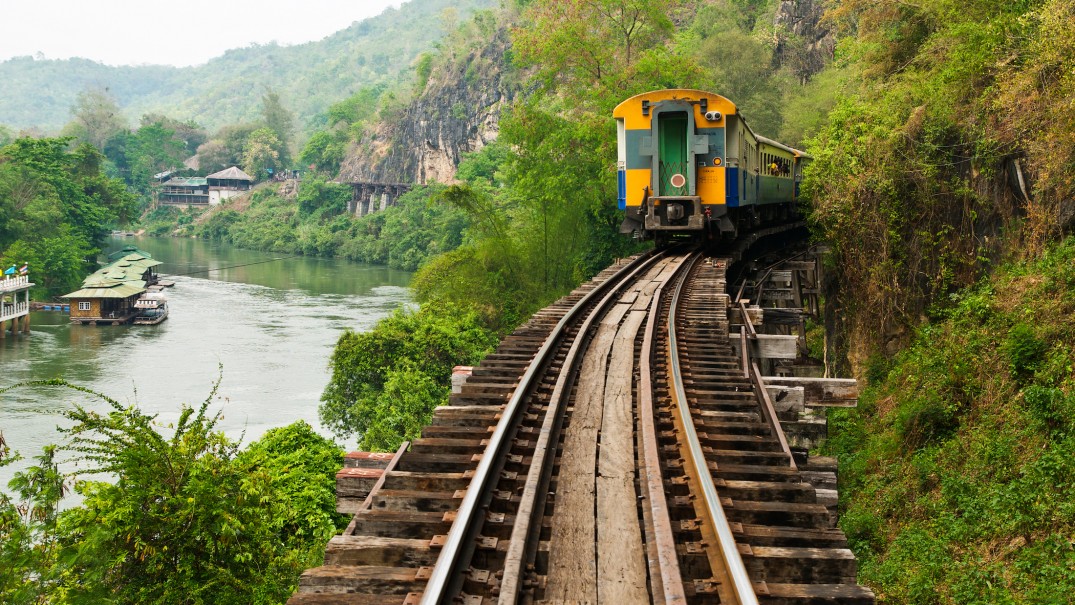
[[183, 32]]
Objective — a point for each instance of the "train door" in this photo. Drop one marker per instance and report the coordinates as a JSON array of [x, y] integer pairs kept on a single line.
[[672, 137]]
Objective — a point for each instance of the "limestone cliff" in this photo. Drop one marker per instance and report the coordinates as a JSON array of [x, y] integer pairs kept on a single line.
[[457, 112], [803, 42]]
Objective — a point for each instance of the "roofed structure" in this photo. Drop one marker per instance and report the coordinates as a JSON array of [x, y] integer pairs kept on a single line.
[[184, 191], [227, 183], [108, 295], [230, 174]]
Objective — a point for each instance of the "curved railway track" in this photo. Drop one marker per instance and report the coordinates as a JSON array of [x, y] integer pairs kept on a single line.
[[613, 450]]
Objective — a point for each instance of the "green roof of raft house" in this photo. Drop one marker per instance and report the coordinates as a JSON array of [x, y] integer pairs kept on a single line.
[[108, 295]]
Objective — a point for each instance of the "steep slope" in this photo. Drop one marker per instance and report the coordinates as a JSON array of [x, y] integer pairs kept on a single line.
[[458, 112], [228, 89]]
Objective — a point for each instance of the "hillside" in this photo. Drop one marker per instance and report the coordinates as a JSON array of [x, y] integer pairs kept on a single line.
[[308, 77]]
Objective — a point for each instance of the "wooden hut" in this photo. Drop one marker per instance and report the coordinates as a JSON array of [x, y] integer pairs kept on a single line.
[[108, 295], [227, 183]]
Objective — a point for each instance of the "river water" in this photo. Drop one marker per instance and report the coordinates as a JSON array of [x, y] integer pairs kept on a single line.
[[269, 321]]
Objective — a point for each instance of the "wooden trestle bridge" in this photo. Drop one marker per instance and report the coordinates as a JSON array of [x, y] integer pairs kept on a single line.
[[622, 447]]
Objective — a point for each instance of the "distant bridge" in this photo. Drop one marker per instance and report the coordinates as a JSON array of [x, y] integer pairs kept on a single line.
[[367, 198]]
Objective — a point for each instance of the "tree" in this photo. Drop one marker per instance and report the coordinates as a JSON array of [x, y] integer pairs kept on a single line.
[[324, 151], [189, 519], [214, 156], [28, 530], [58, 263], [279, 120], [184, 522], [153, 149], [583, 44], [385, 383], [261, 155], [96, 118], [189, 132]]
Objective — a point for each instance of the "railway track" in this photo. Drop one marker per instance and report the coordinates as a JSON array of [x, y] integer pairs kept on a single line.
[[615, 449]]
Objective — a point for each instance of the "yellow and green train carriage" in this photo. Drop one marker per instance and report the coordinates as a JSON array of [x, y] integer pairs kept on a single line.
[[689, 165]]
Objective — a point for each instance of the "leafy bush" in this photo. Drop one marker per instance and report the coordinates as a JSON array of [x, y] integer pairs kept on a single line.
[[189, 518], [386, 382], [1023, 350]]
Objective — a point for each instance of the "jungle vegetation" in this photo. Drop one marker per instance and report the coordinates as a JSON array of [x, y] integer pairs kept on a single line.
[[172, 513], [56, 207], [952, 280], [536, 204]]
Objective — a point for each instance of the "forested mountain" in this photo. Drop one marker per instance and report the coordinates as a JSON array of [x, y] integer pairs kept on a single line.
[[228, 89]]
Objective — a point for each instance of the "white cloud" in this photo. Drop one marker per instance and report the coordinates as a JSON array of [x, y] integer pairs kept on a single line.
[[190, 32]]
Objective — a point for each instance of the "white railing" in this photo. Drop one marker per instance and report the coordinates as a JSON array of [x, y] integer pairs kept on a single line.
[[15, 283], [12, 311]]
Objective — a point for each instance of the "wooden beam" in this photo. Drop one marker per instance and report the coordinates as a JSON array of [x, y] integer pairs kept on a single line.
[[822, 392], [769, 346]]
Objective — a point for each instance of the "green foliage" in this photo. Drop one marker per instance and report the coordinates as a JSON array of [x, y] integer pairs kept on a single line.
[[58, 262], [261, 153], [301, 467], [920, 150], [97, 118], [324, 151], [28, 531], [1024, 350], [386, 382], [188, 519], [279, 120], [55, 209], [152, 149], [403, 236], [955, 469]]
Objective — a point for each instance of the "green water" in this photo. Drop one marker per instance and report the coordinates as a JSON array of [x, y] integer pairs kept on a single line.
[[270, 321]]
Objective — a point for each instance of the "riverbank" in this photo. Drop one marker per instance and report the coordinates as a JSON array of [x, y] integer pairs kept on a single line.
[[313, 221], [268, 322]]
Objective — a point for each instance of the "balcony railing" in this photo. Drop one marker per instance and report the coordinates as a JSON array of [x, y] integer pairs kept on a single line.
[[15, 283], [12, 311]]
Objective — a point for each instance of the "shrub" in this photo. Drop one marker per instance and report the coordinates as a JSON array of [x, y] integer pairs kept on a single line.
[[1023, 350]]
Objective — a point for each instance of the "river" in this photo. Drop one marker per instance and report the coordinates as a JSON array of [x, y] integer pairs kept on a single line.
[[270, 321]]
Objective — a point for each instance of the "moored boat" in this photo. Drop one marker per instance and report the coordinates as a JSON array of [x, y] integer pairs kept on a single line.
[[152, 309]]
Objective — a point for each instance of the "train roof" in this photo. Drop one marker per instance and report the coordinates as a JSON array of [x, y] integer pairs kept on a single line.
[[796, 152], [668, 94]]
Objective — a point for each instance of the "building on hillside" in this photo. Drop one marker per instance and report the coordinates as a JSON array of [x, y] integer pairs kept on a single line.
[[108, 296], [185, 191], [227, 183]]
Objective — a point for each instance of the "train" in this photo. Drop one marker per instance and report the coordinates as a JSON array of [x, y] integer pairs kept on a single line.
[[689, 166]]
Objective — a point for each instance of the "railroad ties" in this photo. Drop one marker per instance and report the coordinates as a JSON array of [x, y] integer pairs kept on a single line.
[[786, 538], [394, 539], [598, 456]]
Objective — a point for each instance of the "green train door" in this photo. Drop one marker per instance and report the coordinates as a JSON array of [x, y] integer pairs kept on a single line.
[[672, 137]]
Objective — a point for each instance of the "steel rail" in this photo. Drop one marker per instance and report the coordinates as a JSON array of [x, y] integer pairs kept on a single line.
[[741, 589], [521, 547], [668, 579], [469, 510]]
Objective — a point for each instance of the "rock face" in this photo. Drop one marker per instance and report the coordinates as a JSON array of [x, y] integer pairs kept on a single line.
[[802, 41], [458, 112]]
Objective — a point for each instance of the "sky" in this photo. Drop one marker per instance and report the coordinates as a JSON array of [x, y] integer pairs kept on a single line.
[[180, 33]]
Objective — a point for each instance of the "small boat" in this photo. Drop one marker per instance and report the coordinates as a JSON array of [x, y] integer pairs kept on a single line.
[[152, 309]]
